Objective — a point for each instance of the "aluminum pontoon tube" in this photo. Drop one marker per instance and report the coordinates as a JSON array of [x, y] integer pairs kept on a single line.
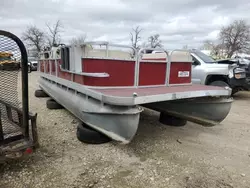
[[207, 111], [117, 122]]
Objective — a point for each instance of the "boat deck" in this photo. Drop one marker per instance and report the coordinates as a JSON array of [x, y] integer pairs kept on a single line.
[[128, 92], [160, 93], [138, 95]]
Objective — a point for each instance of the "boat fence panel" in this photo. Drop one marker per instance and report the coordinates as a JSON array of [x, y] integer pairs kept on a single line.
[[153, 70], [47, 66], [53, 67], [41, 65], [180, 68], [152, 73], [180, 73], [121, 72]]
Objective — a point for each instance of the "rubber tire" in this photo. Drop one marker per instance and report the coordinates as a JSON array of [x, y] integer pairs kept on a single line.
[[88, 135], [41, 94], [219, 83], [53, 105], [234, 91], [169, 120]]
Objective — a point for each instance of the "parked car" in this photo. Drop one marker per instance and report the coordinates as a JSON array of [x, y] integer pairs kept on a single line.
[[33, 63], [29, 67], [208, 71], [32, 66]]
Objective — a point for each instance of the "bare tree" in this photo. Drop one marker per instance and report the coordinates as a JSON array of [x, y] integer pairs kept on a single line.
[[215, 48], [235, 37], [154, 41], [208, 45], [34, 37], [54, 31], [135, 38], [78, 40]]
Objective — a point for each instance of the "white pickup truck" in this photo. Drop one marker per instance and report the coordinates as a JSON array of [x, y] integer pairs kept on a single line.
[[208, 71]]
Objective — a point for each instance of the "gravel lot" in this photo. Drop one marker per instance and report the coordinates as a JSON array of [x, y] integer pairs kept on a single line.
[[159, 156]]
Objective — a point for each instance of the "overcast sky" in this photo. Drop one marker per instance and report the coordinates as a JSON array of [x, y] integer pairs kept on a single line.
[[179, 22]]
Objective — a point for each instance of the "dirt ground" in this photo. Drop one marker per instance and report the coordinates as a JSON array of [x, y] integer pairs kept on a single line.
[[159, 156]]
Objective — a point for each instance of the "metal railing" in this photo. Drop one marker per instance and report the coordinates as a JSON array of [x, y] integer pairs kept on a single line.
[[137, 58], [140, 60]]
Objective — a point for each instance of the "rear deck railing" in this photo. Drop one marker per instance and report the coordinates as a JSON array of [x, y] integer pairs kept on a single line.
[[140, 60]]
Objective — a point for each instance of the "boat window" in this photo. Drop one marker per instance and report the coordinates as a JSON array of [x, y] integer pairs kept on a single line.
[[58, 51], [46, 55], [65, 58]]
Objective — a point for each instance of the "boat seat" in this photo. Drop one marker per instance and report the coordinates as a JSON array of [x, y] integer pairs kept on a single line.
[[156, 56], [101, 53], [181, 56], [176, 56]]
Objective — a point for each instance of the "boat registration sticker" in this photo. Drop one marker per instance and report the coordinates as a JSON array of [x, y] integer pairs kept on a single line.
[[183, 74]]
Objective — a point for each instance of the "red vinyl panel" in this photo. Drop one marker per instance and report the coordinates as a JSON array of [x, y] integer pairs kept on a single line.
[[61, 74], [151, 73], [44, 66], [58, 67], [78, 79], [41, 64], [47, 66], [121, 73], [45, 63], [53, 67], [175, 68], [65, 75]]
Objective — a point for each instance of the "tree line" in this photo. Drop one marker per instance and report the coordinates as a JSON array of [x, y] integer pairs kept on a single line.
[[38, 39], [232, 38]]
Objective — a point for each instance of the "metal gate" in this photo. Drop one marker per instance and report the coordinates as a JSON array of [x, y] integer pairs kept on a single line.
[[18, 132]]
